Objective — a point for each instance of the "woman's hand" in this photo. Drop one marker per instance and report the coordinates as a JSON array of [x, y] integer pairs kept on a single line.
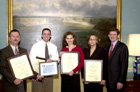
[[102, 82], [71, 73], [86, 82], [60, 54]]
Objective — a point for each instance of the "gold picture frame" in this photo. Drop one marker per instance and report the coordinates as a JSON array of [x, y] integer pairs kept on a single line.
[[10, 16]]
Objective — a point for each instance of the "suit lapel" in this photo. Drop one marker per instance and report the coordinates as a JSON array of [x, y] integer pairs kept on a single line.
[[20, 50], [93, 54], [10, 51], [114, 50]]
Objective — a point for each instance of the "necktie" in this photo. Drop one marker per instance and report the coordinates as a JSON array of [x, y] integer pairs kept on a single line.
[[16, 51], [46, 52], [110, 51]]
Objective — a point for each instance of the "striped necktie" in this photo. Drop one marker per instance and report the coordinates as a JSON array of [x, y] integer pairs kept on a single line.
[[16, 51]]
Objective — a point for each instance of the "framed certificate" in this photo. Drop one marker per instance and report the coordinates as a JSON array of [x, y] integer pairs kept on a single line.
[[36, 63], [20, 66], [48, 69], [69, 61], [93, 70]]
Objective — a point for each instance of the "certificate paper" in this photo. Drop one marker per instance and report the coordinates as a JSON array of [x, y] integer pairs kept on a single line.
[[20, 66], [36, 63], [48, 69], [93, 70], [69, 61]]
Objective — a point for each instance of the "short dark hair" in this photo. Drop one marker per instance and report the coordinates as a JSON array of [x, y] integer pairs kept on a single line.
[[14, 30], [46, 29], [114, 29]]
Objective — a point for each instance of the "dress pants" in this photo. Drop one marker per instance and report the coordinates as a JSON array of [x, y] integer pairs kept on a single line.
[[21, 87], [115, 90], [45, 86]]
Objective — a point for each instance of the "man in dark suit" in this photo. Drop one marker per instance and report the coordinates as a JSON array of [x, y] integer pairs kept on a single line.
[[117, 63], [9, 82]]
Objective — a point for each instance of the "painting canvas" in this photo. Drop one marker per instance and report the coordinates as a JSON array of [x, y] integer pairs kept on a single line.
[[83, 17]]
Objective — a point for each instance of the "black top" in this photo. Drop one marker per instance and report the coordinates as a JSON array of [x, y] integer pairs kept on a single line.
[[99, 53]]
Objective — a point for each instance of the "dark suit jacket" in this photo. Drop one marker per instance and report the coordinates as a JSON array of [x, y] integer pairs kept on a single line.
[[8, 78], [117, 65], [99, 53]]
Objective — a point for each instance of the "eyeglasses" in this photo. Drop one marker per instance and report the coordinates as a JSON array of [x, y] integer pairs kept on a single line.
[[93, 39]]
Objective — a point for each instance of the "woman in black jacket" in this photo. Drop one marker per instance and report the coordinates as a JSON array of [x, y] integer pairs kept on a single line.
[[95, 52]]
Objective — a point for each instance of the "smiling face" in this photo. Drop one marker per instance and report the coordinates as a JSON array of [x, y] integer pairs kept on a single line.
[[46, 35], [69, 39], [14, 38], [113, 36], [92, 40]]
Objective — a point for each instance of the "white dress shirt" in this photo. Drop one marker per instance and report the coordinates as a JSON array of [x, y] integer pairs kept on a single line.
[[38, 50], [13, 48]]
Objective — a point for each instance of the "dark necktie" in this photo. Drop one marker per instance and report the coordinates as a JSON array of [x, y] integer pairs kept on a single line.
[[110, 51], [46, 52], [16, 51]]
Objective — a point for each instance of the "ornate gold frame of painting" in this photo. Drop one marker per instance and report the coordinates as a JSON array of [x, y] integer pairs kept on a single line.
[[10, 16]]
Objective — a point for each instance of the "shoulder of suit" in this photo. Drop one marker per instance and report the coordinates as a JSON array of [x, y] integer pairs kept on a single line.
[[121, 43], [22, 48], [5, 49]]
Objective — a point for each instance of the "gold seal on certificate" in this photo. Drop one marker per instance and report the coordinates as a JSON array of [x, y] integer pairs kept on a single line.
[[69, 60], [20, 66], [93, 70], [49, 68]]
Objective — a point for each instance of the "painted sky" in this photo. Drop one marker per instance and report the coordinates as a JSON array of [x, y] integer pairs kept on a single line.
[[65, 8]]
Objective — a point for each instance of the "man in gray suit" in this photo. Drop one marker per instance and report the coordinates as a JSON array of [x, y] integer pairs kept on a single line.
[[10, 83]]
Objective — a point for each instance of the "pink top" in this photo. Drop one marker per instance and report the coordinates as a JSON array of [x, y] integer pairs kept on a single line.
[[79, 49]]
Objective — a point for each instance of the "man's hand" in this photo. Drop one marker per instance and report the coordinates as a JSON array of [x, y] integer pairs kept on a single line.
[[119, 85], [39, 77], [60, 53], [17, 81], [49, 60]]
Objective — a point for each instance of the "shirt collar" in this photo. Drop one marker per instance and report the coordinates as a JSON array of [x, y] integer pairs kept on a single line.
[[13, 47], [45, 42], [114, 43]]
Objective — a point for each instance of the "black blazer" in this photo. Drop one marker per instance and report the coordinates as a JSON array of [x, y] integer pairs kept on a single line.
[[8, 78], [117, 65], [99, 53]]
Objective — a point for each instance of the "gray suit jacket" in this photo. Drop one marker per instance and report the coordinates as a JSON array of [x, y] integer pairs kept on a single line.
[[8, 78]]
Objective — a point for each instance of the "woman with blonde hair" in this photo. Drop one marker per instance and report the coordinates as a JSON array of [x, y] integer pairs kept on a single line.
[[95, 52]]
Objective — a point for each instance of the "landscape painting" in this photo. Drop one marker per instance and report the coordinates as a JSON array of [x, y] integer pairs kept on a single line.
[[83, 17]]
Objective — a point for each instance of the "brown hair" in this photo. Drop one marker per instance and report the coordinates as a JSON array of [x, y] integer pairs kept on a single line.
[[47, 30], [14, 30], [114, 29], [89, 39], [64, 43]]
